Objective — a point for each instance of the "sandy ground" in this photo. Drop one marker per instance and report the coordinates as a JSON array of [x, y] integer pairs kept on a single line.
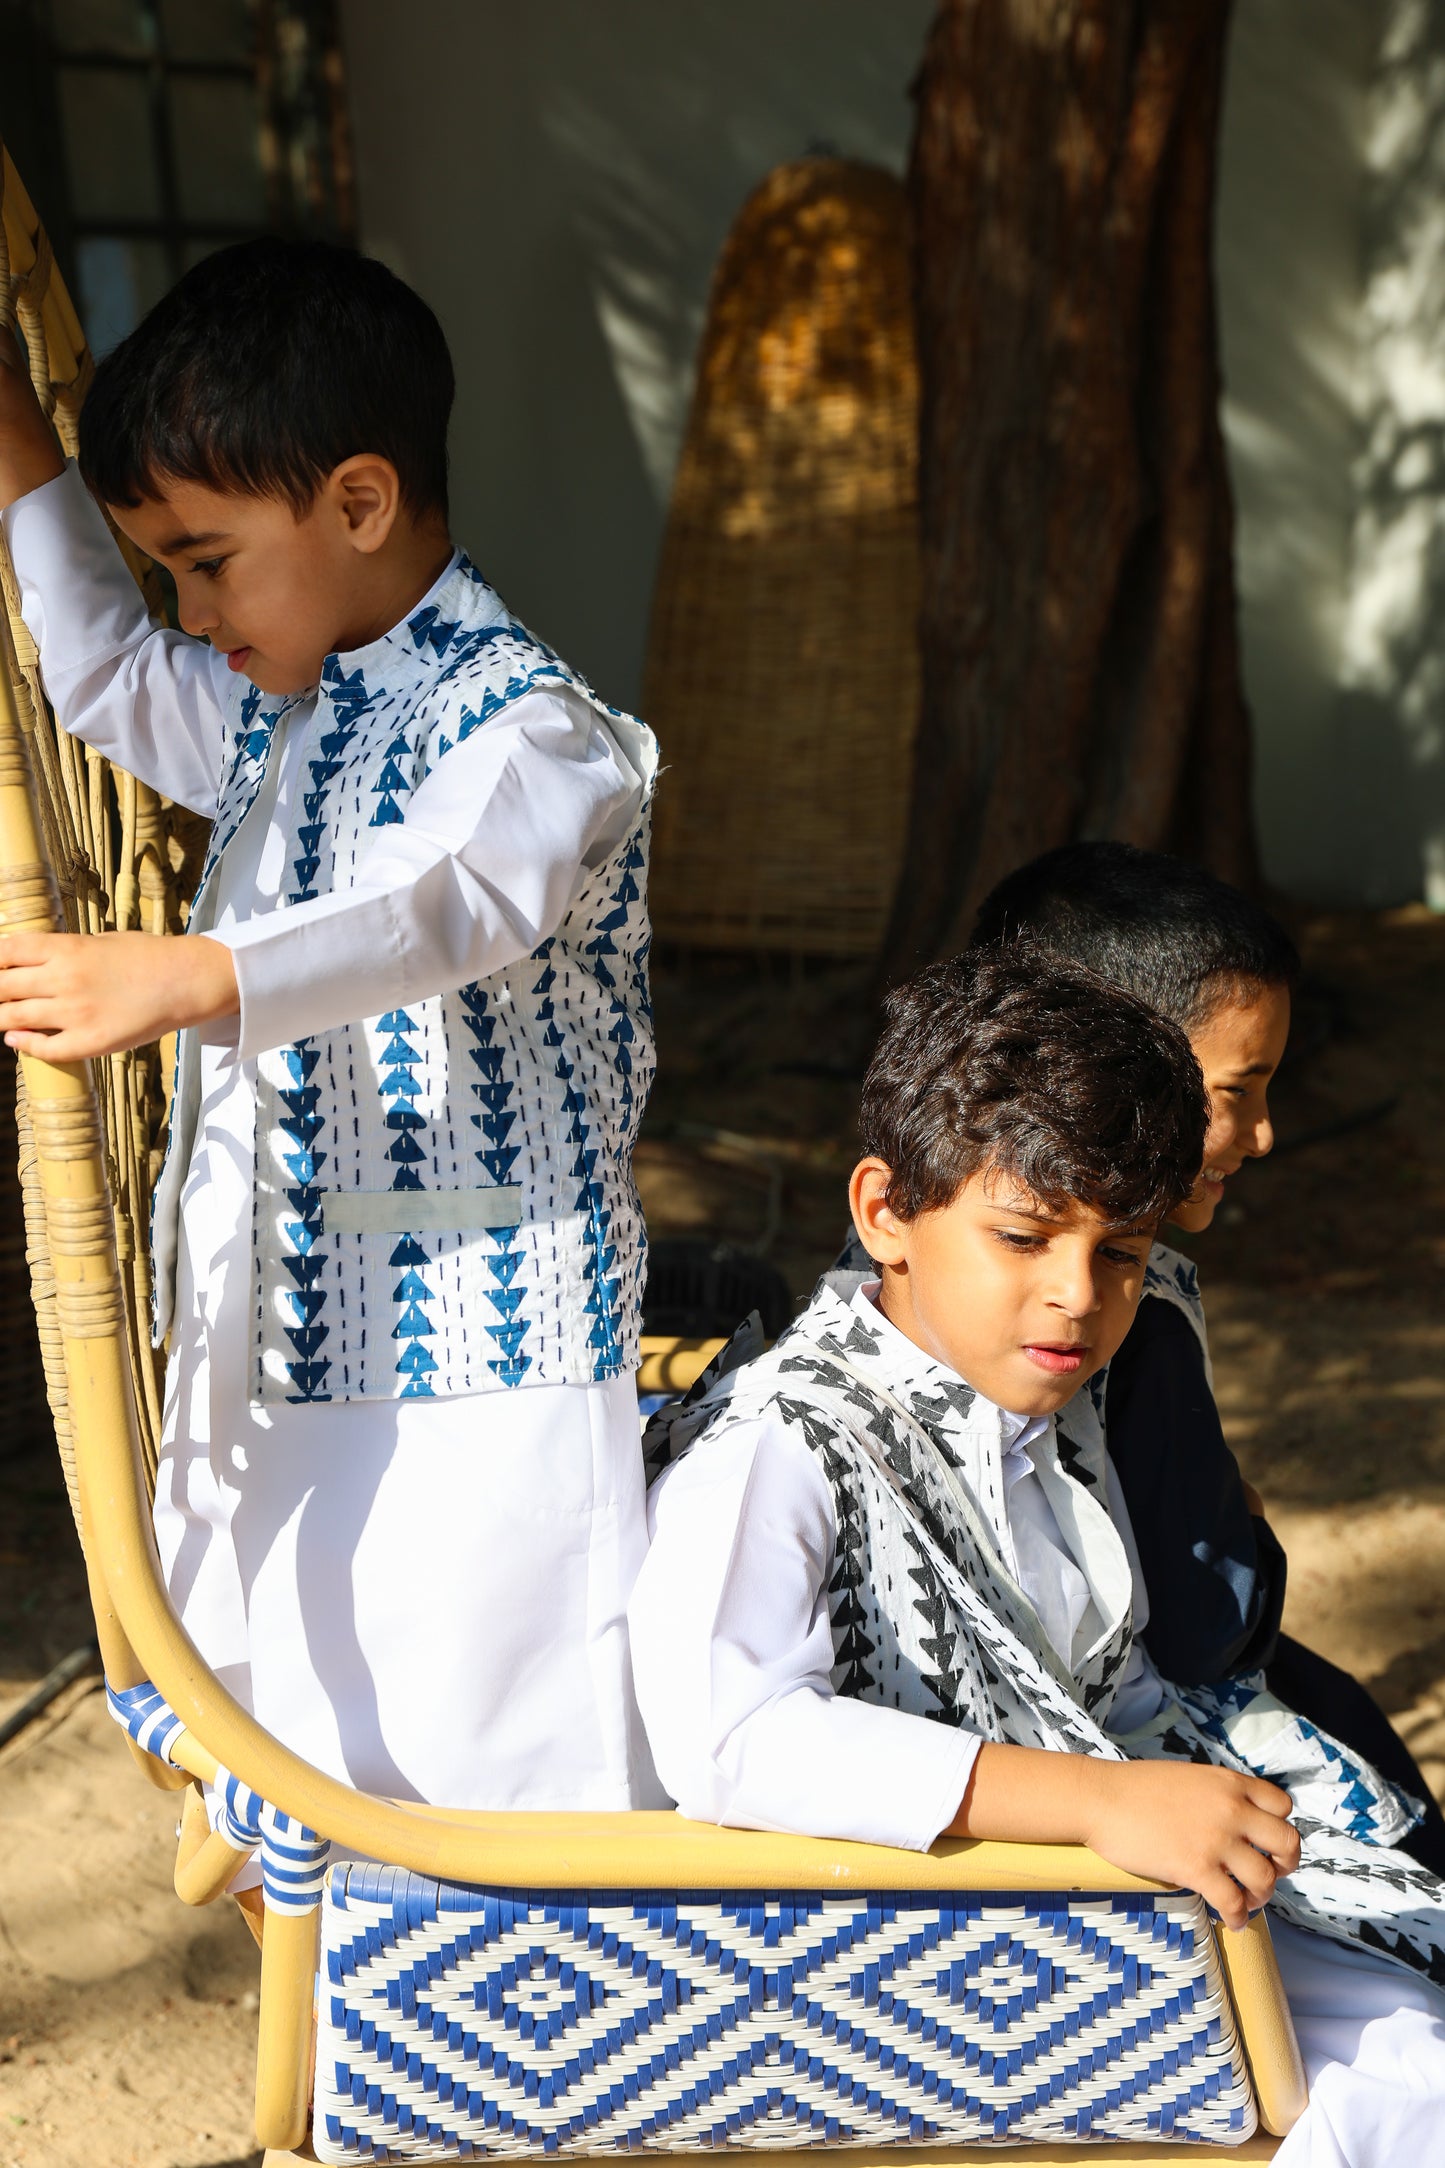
[[126, 2021]]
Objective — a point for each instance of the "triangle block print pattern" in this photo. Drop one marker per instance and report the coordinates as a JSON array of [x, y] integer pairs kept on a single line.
[[457, 2023]]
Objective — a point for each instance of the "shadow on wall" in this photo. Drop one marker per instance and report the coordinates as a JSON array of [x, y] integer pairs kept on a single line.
[[560, 188], [1289, 281], [1392, 719], [1332, 285]]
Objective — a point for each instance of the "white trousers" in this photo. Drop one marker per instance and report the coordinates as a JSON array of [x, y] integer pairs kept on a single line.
[[425, 1598], [1373, 2041]]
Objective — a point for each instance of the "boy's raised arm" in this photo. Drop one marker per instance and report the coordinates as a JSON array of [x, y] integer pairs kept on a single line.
[[29, 454], [147, 698]]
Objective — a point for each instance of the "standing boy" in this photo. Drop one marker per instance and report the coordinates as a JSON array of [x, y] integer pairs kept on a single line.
[[397, 1245]]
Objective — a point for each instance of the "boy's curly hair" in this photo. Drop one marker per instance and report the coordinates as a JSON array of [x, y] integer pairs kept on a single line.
[[1009, 1059]]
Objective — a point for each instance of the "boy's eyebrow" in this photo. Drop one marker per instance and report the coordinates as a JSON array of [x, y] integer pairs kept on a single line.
[[1051, 1219], [173, 544], [1019, 1211]]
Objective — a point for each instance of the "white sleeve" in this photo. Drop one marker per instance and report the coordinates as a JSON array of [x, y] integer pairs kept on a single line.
[[491, 850], [152, 700], [732, 1651]]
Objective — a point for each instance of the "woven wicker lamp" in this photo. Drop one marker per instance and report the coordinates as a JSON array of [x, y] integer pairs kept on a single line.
[[782, 673]]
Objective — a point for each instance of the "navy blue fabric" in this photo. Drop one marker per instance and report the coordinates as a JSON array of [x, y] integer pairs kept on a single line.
[[1215, 1574]]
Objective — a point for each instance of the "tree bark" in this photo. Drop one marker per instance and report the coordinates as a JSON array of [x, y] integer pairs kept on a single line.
[[1079, 649]]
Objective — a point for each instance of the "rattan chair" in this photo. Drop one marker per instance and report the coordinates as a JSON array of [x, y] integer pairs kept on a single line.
[[573, 1983]]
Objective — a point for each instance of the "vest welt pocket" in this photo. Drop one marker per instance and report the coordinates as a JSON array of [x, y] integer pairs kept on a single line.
[[419, 1211]]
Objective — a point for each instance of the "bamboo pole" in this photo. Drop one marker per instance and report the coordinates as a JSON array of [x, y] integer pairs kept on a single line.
[[70, 1162], [1251, 1972], [289, 1953]]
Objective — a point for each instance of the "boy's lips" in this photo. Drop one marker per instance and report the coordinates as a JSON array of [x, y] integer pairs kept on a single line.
[[1061, 1358], [1214, 1178], [237, 657]]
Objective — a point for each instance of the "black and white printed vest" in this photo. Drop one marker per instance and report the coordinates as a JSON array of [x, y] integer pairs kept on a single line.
[[926, 1616]]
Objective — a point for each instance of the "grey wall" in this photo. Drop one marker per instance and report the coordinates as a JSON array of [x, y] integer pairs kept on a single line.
[[1332, 283], [1289, 260], [1391, 736], [558, 176]]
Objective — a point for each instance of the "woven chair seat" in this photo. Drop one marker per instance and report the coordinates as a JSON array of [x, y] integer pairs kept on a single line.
[[456, 2022]]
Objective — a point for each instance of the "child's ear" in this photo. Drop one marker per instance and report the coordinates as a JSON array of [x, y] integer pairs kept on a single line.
[[880, 1230], [366, 492]]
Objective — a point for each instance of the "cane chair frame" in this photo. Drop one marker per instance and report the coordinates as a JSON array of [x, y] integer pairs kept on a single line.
[[91, 1145]]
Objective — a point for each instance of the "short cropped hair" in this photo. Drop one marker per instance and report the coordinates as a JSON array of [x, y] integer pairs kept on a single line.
[[1010, 1061], [266, 366], [1178, 937]]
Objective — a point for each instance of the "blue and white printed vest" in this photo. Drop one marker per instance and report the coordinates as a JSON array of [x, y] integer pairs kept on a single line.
[[444, 1195]]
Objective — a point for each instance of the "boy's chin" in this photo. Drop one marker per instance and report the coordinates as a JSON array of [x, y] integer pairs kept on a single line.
[[275, 680], [1043, 1392]]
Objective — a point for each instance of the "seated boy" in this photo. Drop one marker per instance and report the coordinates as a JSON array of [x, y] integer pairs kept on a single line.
[[398, 1249], [1223, 969], [892, 1591]]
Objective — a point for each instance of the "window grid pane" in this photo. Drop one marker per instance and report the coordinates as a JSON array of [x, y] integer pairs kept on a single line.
[[208, 30], [106, 117], [101, 26], [215, 130], [191, 123]]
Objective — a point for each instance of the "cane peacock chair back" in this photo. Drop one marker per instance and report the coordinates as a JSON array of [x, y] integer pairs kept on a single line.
[[120, 856], [533, 1983]]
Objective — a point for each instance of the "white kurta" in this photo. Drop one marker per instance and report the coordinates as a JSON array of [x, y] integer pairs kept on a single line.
[[733, 1652], [424, 1597]]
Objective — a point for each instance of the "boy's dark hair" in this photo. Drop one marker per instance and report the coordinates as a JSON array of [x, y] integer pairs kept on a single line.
[[267, 365], [1008, 1058], [1176, 936]]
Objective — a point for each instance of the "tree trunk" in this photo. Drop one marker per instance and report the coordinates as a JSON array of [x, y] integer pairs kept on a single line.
[[1079, 648]]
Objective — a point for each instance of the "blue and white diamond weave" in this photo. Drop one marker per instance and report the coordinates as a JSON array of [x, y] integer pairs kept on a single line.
[[459, 2022]]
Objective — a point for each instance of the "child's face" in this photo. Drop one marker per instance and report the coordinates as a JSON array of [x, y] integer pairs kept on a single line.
[[275, 591], [1239, 1046], [1023, 1302]]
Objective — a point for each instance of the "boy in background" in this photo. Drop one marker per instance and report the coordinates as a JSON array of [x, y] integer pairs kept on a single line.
[[398, 1250], [1222, 968]]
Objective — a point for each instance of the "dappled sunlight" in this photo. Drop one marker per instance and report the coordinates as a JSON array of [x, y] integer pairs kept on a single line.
[[1332, 287], [1287, 251], [1393, 652]]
